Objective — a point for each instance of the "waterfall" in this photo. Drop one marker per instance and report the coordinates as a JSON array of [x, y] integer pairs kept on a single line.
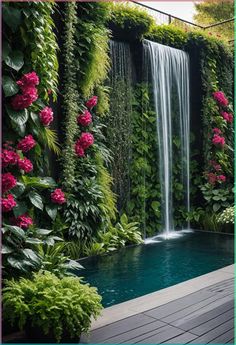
[[119, 120], [169, 70]]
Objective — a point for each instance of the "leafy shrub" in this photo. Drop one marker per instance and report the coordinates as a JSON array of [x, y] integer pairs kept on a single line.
[[118, 236], [129, 22], [227, 216], [168, 35], [51, 304]]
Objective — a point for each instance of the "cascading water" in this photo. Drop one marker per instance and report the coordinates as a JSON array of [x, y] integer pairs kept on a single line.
[[119, 121], [169, 69]]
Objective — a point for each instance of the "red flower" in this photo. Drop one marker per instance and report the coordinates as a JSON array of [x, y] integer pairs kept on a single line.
[[8, 203], [216, 131], [91, 102], [25, 164], [23, 221], [217, 140], [79, 150], [219, 96], [227, 116], [46, 116], [9, 158], [212, 178], [26, 144], [58, 197], [8, 182], [84, 119], [29, 79], [30, 95], [86, 140], [221, 178]]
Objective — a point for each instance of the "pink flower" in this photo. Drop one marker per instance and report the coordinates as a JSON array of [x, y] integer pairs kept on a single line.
[[8, 203], [221, 178], [8, 182], [30, 95], [25, 164], [29, 79], [227, 116], [219, 96], [216, 131], [211, 178], [9, 158], [46, 116], [58, 197], [86, 140], [91, 102], [26, 144], [217, 140], [49, 92], [84, 119], [23, 221], [79, 150]]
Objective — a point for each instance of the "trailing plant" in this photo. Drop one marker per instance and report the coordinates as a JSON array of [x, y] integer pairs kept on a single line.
[[227, 216], [51, 305]]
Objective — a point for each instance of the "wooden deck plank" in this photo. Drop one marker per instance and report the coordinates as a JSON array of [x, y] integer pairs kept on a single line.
[[119, 327], [182, 339], [193, 321], [208, 337], [140, 331], [158, 338], [224, 338], [213, 323]]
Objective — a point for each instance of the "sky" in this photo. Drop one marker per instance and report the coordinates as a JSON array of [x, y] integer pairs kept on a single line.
[[182, 9]]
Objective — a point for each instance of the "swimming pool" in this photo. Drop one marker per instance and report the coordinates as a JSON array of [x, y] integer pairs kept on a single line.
[[139, 270]]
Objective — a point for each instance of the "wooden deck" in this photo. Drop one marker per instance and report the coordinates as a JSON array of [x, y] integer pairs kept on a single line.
[[202, 317]]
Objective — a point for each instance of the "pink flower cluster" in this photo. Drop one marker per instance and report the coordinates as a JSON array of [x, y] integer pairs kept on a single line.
[[215, 165], [92, 102], [9, 158], [213, 178], [26, 144], [25, 164], [23, 221], [218, 140], [227, 116], [29, 93], [8, 182], [46, 116], [84, 119], [219, 96], [83, 143], [58, 197], [8, 203]]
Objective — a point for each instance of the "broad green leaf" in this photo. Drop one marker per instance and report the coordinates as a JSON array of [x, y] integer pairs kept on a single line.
[[15, 60], [33, 240], [216, 207], [16, 230], [5, 50], [20, 208], [16, 263], [18, 117], [43, 231], [36, 200], [6, 249], [10, 87], [30, 254], [11, 16], [52, 211], [18, 190]]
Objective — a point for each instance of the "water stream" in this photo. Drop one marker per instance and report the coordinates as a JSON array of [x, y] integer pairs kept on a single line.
[[169, 69]]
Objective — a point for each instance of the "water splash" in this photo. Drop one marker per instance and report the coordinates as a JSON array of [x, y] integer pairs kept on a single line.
[[170, 81]]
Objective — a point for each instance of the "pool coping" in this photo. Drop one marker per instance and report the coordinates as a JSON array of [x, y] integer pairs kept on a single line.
[[155, 299]]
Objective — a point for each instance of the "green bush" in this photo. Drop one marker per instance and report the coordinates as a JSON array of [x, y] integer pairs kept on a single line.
[[51, 304], [168, 35], [227, 216], [128, 22]]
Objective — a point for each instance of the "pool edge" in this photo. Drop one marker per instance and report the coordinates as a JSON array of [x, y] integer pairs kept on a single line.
[[155, 299]]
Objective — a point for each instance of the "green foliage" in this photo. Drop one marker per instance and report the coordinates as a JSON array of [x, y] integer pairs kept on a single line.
[[91, 48], [211, 12], [168, 35], [129, 22], [116, 237], [144, 203], [71, 97], [51, 304]]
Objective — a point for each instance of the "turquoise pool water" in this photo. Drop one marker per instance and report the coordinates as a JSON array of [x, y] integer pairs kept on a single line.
[[139, 270]]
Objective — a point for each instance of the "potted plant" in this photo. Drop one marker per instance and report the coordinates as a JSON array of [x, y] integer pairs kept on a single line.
[[51, 309]]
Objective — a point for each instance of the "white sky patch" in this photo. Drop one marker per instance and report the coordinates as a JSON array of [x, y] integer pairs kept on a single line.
[[182, 9]]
